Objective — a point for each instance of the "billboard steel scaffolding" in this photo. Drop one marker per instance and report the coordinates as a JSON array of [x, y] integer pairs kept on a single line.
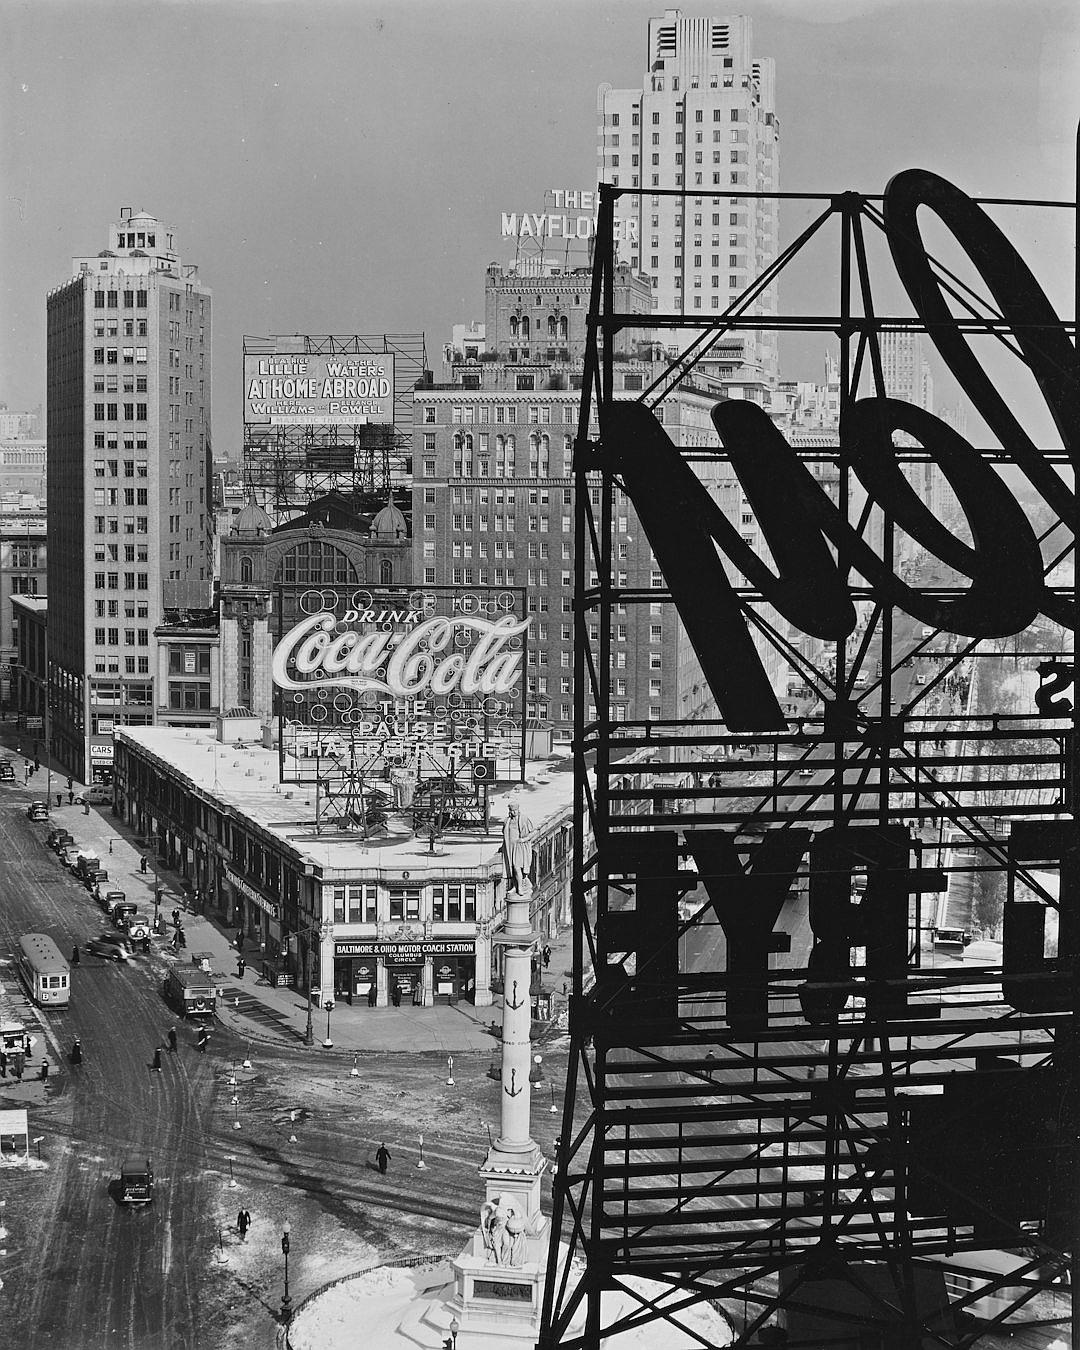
[[290, 466], [798, 1091]]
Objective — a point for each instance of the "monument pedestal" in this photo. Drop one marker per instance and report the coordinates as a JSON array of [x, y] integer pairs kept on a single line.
[[499, 1277]]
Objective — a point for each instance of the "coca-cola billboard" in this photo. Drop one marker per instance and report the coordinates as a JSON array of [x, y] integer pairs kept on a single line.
[[373, 680]]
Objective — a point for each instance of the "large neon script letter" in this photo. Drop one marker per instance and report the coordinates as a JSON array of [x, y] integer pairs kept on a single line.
[[688, 532]]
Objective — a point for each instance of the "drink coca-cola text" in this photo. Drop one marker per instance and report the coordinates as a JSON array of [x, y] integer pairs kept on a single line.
[[422, 659]]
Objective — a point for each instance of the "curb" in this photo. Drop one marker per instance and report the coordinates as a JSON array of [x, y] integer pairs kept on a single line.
[[403, 1262]]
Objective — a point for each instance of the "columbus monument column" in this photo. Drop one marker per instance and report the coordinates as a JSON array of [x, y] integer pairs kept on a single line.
[[499, 1277]]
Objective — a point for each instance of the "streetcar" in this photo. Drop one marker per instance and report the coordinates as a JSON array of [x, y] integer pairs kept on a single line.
[[44, 971]]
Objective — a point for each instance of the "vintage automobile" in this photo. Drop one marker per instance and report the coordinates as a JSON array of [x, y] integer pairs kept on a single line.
[[95, 879], [85, 862], [136, 1182], [112, 946], [107, 898], [38, 811], [58, 838], [7, 771], [120, 911], [97, 794], [137, 926], [191, 991]]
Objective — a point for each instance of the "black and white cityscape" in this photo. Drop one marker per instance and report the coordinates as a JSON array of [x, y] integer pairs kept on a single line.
[[538, 732]]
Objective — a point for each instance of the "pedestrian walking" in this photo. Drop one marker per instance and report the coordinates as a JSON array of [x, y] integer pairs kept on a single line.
[[70, 783], [3, 1063], [71, 796], [176, 918], [243, 1223], [172, 1040], [382, 1157], [59, 798], [181, 940], [75, 955], [157, 1058], [241, 966], [239, 939], [17, 1061], [204, 1036], [142, 864], [44, 1074], [547, 957]]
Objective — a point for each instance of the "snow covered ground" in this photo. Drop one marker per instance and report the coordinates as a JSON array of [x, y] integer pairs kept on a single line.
[[380, 1300]]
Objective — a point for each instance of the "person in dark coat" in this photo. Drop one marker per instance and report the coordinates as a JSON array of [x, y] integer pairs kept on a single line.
[[44, 1075], [181, 939], [142, 864], [239, 939], [243, 1223], [172, 1040], [371, 997], [157, 1058], [241, 966], [75, 955], [382, 1157]]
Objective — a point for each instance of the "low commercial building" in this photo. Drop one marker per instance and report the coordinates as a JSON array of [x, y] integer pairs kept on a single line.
[[405, 912]]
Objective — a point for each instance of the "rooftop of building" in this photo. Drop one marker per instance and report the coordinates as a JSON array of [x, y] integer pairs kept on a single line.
[[244, 779]]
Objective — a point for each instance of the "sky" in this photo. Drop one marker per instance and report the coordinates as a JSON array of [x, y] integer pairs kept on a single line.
[[341, 166]]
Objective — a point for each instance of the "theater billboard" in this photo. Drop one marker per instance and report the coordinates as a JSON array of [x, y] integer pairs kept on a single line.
[[307, 389]]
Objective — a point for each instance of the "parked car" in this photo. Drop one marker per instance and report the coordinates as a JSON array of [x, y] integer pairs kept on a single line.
[[97, 794], [138, 926], [120, 911], [107, 898], [37, 811], [112, 946], [7, 771], [69, 855], [86, 862], [95, 879], [58, 839]]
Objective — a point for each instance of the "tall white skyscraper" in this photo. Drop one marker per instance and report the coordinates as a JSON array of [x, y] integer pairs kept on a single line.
[[129, 513], [704, 121]]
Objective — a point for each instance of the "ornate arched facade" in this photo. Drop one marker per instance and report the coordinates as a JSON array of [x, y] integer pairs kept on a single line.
[[255, 562]]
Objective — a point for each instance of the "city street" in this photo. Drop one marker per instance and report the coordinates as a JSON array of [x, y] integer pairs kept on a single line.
[[80, 1269]]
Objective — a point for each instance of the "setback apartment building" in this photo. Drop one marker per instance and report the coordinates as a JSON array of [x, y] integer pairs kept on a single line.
[[702, 122]]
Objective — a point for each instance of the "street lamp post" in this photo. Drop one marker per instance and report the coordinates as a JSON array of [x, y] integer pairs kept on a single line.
[[286, 1301], [455, 1327], [315, 930], [329, 1006]]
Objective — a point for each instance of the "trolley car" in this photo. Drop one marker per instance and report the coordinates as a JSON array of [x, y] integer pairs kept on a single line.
[[44, 971]]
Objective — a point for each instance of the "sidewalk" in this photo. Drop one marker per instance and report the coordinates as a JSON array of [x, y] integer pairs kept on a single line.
[[249, 1006]]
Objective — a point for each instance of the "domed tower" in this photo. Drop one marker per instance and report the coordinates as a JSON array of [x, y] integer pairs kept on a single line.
[[389, 548], [245, 614]]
